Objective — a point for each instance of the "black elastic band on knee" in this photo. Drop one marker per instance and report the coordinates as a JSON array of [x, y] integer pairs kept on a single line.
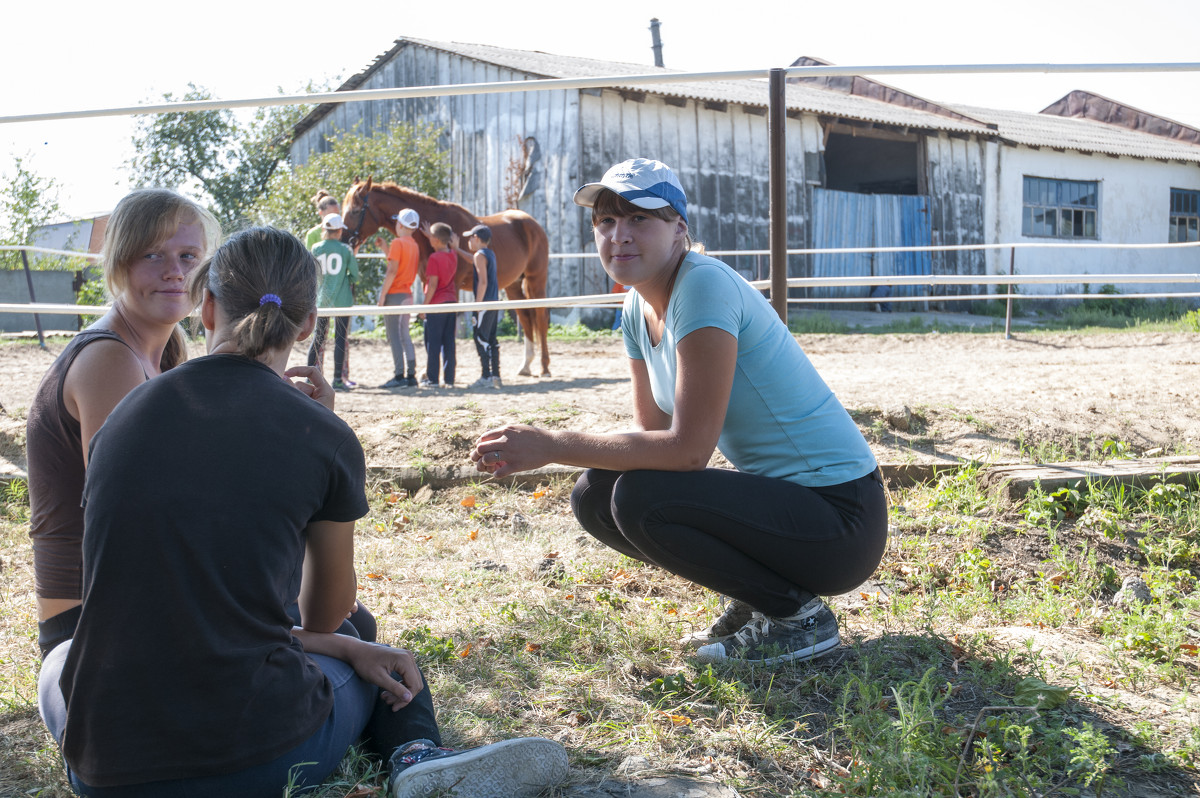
[[58, 629]]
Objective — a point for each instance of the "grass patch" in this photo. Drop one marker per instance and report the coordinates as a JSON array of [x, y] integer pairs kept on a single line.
[[986, 658], [822, 323]]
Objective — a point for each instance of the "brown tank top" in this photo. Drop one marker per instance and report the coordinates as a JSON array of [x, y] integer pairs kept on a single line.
[[54, 454]]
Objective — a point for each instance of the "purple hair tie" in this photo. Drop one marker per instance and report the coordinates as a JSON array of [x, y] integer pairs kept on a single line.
[[265, 298]]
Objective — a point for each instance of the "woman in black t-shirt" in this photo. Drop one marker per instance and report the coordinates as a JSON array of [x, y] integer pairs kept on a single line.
[[213, 691]]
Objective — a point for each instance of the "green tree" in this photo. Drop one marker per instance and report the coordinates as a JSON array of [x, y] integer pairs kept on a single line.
[[27, 202], [406, 154], [227, 160]]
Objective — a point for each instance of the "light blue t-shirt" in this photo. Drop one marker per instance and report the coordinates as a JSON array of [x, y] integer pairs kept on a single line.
[[782, 421]]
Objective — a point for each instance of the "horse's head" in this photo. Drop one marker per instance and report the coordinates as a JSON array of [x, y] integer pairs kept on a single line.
[[357, 213]]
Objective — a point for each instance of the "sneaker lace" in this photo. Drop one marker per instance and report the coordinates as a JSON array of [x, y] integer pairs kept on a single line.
[[759, 627], [755, 629]]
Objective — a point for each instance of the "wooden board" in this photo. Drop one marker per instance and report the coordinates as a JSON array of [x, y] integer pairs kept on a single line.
[[1017, 480]]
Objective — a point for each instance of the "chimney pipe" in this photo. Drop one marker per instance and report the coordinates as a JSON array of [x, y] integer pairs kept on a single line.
[[657, 42]]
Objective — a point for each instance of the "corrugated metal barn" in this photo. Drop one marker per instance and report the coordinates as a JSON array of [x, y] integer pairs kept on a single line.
[[867, 165]]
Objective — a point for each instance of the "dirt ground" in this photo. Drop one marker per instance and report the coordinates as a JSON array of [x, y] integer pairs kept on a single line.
[[971, 396]]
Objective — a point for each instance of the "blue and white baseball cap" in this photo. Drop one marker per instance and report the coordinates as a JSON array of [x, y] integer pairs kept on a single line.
[[640, 181]]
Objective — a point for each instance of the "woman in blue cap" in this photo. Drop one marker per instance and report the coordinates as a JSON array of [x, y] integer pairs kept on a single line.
[[803, 514]]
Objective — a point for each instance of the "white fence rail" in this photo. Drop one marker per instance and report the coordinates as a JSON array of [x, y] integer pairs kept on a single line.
[[551, 84]]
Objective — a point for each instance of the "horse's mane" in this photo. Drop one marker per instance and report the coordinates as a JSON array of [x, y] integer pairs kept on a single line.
[[404, 193]]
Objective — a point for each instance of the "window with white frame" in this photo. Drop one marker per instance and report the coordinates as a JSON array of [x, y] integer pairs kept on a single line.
[[1185, 216], [1061, 208]]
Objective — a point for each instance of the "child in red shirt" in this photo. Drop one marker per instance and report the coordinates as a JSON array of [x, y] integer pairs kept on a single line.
[[440, 289]]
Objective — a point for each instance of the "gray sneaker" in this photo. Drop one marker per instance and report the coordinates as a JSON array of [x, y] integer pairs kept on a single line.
[[736, 615], [509, 769], [810, 633]]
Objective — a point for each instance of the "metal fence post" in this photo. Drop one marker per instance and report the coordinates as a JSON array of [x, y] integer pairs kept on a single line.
[[37, 320], [776, 128], [1012, 259]]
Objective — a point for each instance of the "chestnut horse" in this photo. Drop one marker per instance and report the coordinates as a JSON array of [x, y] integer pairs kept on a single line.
[[521, 247]]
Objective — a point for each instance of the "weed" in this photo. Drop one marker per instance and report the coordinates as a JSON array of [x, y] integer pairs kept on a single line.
[[15, 498], [428, 646], [959, 492], [974, 568], [551, 416], [1114, 450], [1046, 509], [418, 460]]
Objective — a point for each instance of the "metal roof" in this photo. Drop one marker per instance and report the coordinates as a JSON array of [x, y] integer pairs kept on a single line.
[[537, 64], [1084, 135], [1035, 130]]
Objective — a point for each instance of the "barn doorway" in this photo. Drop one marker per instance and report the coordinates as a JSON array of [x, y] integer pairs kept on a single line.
[[869, 164]]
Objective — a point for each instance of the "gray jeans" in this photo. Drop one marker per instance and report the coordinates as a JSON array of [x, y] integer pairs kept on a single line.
[[396, 327]]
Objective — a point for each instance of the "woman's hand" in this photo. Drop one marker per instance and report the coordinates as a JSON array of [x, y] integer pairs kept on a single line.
[[377, 664], [310, 381], [512, 448], [372, 662]]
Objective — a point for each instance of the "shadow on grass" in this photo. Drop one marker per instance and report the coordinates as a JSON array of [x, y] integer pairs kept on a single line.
[[917, 715]]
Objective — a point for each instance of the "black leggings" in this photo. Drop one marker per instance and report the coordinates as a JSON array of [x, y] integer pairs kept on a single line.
[[485, 343], [763, 540]]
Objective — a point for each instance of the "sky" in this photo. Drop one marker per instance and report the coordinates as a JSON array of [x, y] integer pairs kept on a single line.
[[72, 54]]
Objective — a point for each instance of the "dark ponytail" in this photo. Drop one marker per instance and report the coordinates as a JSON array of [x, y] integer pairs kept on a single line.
[[265, 282]]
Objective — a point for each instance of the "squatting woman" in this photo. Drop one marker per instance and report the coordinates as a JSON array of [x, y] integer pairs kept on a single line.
[[804, 514]]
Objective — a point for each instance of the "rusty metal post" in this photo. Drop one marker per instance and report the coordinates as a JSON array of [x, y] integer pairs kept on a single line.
[[1012, 262], [37, 320], [776, 151]]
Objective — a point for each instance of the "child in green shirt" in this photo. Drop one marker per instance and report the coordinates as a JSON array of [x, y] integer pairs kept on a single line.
[[339, 274]]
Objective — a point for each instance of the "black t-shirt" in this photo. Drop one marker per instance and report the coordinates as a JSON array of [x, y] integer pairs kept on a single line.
[[199, 488]]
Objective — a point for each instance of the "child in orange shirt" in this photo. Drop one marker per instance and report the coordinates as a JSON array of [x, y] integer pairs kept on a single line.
[[402, 259]]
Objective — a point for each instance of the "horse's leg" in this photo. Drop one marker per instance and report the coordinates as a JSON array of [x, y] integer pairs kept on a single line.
[[539, 318], [525, 321], [543, 330]]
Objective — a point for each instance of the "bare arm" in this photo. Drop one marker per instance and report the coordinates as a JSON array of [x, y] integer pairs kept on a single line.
[[393, 266], [430, 289], [681, 442], [101, 376], [328, 585], [481, 274]]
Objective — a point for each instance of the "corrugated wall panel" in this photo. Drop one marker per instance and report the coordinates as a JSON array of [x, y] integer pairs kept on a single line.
[[844, 219], [955, 176]]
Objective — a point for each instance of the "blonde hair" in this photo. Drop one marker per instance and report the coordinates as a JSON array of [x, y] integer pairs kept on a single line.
[[142, 220], [265, 281], [441, 231], [610, 203]]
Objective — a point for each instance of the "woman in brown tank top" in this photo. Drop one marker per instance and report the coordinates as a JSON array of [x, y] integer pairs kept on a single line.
[[154, 238]]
